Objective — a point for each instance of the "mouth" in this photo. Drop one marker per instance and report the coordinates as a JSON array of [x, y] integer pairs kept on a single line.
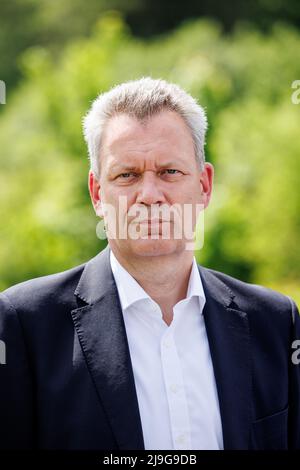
[[151, 221]]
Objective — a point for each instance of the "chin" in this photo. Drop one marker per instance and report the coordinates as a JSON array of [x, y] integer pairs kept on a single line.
[[155, 247]]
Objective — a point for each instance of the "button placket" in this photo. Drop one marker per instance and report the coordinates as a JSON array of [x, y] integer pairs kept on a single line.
[[179, 416]]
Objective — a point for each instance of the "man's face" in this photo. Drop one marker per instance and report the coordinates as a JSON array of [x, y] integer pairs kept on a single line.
[[151, 166]]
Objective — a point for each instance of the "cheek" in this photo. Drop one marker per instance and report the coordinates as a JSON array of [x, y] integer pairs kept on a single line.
[[120, 199], [197, 191], [108, 194], [188, 195]]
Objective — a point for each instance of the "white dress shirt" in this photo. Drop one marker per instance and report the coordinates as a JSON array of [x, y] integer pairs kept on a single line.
[[172, 366]]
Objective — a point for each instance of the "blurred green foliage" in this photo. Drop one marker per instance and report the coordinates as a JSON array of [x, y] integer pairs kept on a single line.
[[243, 80], [54, 23]]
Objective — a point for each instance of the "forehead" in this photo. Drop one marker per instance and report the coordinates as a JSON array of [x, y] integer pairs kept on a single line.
[[164, 133]]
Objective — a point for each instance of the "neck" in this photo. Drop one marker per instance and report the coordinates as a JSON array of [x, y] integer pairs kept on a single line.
[[164, 278]]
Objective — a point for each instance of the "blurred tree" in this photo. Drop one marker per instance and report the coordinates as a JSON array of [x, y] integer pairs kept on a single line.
[[52, 24], [18, 30]]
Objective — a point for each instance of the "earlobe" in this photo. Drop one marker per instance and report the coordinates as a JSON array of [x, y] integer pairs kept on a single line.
[[98, 209]]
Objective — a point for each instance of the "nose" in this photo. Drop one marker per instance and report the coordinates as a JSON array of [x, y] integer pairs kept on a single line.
[[150, 191]]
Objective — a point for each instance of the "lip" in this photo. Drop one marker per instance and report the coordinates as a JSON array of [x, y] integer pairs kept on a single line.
[[152, 222]]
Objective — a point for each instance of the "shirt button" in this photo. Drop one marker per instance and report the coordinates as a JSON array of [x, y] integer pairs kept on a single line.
[[180, 440], [167, 343], [174, 388]]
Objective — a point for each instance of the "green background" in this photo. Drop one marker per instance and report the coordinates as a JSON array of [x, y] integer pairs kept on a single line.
[[57, 57]]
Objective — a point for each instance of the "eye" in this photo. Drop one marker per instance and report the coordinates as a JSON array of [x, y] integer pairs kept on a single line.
[[126, 175], [171, 171]]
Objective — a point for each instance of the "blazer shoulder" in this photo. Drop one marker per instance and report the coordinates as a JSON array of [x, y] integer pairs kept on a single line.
[[52, 289], [254, 297]]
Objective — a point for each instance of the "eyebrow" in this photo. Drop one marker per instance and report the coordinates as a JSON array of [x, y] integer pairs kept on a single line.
[[120, 167], [124, 168]]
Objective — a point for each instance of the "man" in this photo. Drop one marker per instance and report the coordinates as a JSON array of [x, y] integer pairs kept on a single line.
[[141, 348]]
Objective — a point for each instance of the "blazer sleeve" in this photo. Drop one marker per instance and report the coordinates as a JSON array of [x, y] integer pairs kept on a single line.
[[16, 389], [294, 392]]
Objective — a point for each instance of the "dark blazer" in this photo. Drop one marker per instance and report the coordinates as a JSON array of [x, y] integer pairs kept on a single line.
[[68, 381]]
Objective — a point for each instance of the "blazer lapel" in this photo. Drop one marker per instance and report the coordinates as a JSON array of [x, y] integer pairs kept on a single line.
[[101, 331], [229, 340]]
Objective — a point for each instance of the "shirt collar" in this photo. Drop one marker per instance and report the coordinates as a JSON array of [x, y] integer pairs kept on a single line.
[[130, 291]]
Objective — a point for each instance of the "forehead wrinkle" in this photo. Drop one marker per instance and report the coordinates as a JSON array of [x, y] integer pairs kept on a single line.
[[126, 127], [132, 143], [142, 152], [136, 163], [137, 146]]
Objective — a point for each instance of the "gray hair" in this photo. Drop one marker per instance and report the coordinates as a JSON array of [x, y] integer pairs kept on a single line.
[[142, 99]]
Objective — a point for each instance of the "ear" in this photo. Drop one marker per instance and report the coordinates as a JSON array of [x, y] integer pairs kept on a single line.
[[95, 193], [206, 180]]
